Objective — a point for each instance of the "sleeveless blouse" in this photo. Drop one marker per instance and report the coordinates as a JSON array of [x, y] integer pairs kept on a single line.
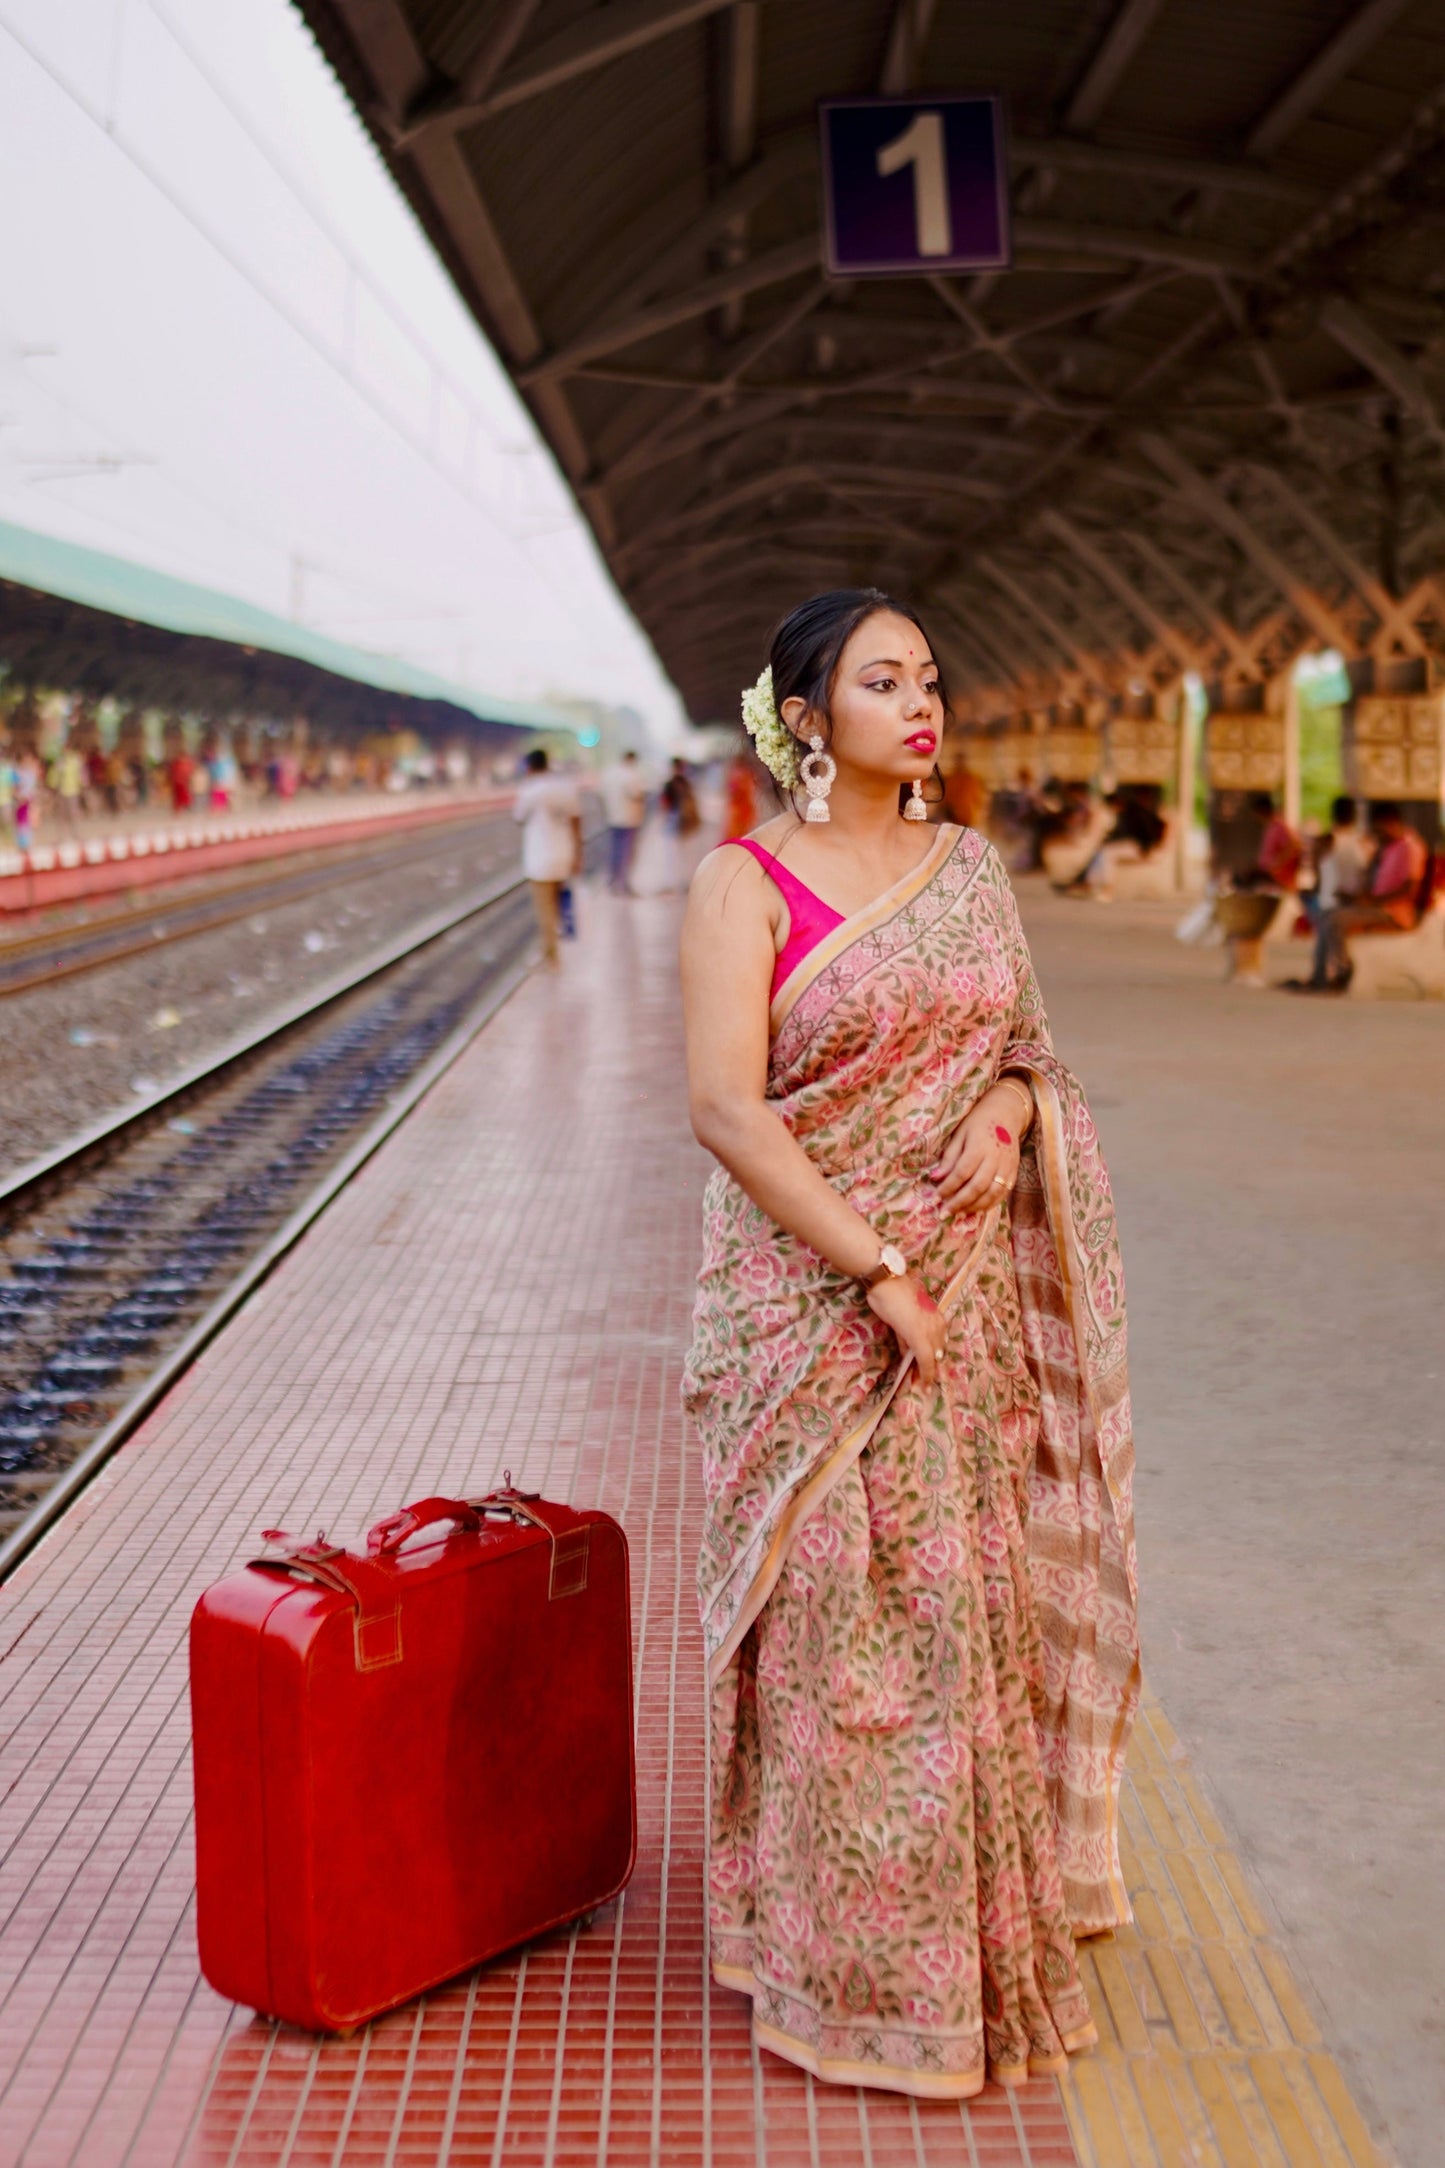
[[809, 918]]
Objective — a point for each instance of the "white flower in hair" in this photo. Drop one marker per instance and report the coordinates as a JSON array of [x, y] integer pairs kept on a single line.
[[776, 746]]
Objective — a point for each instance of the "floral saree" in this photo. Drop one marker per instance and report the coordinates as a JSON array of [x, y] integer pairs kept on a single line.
[[918, 1603]]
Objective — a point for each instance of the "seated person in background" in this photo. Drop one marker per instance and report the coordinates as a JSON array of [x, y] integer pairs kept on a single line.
[[1138, 830], [1280, 850], [1244, 911], [1342, 862], [1391, 902]]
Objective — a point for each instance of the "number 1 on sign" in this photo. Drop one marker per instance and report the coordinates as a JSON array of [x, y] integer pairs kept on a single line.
[[921, 146]]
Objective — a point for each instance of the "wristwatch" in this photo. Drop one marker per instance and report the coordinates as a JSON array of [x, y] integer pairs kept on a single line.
[[891, 1265]]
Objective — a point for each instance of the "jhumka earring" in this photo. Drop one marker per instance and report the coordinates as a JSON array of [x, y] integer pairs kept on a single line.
[[915, 810], [817, 769]]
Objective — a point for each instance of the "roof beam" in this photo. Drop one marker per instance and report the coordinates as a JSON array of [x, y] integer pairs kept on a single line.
[[500, 40], [1317, 79], [603, 35], [1073, 655], [1187, 591], [1215, 506], [1349, 329], [1137, 244], [907, 36], [1121, 41], [850, 479], [772, 269], [1394, 619], [646, 269], [1108, 574], [1066, 155]]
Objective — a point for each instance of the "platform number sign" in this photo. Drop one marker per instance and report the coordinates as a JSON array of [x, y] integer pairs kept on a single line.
[[915, 185]]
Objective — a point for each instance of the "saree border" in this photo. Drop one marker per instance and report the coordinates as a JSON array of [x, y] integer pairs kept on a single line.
[[853, 928], [1053, 1159], [820, 1480]]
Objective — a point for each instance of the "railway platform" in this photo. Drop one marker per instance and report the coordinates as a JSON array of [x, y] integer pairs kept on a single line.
[[118, 855], [507, 1284]]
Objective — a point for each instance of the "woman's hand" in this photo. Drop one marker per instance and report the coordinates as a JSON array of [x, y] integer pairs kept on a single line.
[[906, 1305], [980, 1162]]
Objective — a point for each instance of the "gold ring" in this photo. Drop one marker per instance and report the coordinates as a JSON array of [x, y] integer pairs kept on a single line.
[[999, 1182]]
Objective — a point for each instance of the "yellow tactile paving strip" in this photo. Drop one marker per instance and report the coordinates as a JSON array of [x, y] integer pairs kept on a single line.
[[1208, 2056]]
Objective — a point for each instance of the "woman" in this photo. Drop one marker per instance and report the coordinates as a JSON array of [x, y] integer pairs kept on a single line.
[[908, 1376]]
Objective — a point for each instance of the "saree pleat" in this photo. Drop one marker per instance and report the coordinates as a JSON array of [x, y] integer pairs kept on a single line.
[[918, 1602]]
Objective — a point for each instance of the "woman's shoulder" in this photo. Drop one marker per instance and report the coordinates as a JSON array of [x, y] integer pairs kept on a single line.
[[732, 868]]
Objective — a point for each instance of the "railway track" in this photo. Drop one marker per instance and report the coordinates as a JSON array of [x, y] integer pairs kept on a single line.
[[125, 1251], [37, 959]]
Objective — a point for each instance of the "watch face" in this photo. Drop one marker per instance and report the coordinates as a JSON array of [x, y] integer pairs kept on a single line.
[[895, 1260]]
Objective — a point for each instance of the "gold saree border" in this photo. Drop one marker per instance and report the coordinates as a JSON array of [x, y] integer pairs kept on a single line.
[[852, 929], [821, 1481]]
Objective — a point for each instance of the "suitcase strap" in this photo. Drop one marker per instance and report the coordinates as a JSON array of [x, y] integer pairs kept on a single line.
[[571, 1547], [376, 1627]]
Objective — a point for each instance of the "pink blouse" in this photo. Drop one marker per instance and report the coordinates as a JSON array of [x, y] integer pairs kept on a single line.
[[809, 918]]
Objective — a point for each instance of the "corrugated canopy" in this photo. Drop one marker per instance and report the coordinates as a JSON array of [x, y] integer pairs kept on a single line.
[[1197, 425], [105, 640]]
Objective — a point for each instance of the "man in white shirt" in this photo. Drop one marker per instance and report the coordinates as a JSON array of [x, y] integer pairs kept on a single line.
[[624, 800], [550, 812]]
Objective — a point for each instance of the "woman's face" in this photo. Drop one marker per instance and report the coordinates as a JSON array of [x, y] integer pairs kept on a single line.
[[886, 706]]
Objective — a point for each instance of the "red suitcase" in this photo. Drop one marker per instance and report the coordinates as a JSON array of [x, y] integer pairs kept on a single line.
[[408, 1761]]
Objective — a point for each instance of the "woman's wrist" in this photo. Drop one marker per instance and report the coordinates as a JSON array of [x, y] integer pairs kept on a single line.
[[1019, 1097]]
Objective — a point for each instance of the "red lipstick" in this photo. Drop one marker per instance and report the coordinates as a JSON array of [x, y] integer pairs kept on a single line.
[[922, 741]]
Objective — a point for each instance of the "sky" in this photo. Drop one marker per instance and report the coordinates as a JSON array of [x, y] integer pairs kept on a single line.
[[228, 352]]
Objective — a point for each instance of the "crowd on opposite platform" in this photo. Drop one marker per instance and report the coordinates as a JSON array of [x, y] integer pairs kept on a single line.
[[52, 796]]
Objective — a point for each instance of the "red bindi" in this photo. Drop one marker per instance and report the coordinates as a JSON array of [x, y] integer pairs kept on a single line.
[[1001, 1133]]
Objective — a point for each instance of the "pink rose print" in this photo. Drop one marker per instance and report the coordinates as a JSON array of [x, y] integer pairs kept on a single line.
[[923, 2011], [992, 1542], [928, 1810], [936, 1963], [938, 1555], [940, 1756], [794, 1922]]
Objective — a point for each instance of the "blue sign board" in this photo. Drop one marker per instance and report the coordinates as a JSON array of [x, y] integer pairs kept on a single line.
[[915, 185]]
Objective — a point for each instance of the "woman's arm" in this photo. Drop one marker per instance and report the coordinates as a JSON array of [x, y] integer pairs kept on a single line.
[[728, 954]]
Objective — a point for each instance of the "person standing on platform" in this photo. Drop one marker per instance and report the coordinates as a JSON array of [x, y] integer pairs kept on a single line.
[[742, 801], [681, 820], [908, 1377], [550, 812], [624, 801]]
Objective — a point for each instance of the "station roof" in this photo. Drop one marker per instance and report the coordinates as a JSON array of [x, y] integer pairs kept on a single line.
[[71, 615], [1197, 425]]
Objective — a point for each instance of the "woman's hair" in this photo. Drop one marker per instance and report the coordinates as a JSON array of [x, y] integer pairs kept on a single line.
[[808, 644]]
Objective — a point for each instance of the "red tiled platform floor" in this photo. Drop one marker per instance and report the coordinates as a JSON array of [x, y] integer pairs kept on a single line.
[[507, 1284]]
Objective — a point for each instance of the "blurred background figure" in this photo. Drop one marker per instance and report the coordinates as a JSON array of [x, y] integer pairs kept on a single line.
[[624, 803], [741, 814], [681, 822], [1389, 899], [964, 798], [1245, 910], [549, 810]]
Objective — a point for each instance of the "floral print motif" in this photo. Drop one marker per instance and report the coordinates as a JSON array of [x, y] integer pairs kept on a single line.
[[918, 1602]]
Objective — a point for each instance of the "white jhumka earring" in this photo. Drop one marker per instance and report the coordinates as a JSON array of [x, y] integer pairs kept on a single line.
[[915, 810], [816, 770]]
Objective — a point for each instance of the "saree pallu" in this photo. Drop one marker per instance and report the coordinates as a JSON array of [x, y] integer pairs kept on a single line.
[[918, 1603]]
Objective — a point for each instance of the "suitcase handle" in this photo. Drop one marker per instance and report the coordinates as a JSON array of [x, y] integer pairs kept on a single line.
[[389, 1535]]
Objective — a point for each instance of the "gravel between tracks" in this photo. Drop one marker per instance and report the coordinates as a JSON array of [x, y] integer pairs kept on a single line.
[[88, 1046]]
